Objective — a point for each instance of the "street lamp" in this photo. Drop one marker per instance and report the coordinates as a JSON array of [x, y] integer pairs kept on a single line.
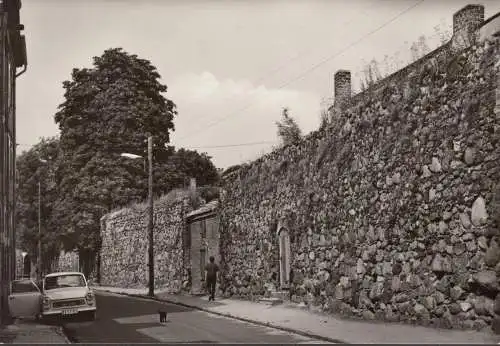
[[23, 266], [40, 224], [150, 203]]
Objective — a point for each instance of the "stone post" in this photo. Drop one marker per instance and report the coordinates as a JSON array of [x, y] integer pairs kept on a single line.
[[466, 23]]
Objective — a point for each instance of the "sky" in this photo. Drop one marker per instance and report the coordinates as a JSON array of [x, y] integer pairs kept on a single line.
[[230, 66]]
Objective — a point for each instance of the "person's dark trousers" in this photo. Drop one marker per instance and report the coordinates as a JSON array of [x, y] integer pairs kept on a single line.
[[211, 288]]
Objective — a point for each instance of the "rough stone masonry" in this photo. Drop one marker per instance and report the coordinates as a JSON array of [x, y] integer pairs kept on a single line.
[[392, 210], [124, 254]]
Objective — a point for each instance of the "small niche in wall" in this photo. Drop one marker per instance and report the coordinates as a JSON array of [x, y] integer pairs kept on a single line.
[[266, 246]]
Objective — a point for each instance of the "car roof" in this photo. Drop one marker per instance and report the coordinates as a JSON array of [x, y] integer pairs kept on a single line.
[[63, 273]]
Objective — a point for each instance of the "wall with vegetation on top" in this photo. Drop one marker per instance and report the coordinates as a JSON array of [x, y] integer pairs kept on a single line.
[[392, 209], [124, 252]]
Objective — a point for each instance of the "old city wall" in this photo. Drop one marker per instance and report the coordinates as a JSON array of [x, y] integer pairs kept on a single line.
[[124, 253], [67, 262], [392, 210]]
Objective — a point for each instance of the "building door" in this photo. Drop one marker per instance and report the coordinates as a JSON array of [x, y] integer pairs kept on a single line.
[[198, 256], [284, 250], [203, 263]]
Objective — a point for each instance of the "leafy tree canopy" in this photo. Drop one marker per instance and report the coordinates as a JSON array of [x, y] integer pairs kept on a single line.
[[111, 109], [30, 172]]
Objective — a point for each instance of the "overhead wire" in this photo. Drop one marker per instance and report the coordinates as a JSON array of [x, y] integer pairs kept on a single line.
[[235, 145], [282, 65], [204, 146], [314, 67], [300, 76]]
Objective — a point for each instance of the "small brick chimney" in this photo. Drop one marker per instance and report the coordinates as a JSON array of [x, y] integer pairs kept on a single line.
[[468, 18], [466, 23], [342, 88]]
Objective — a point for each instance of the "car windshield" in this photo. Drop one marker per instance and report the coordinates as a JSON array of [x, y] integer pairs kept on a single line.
[[60, 281]]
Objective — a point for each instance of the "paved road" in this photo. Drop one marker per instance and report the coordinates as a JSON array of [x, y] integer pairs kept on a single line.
[[122, 319]]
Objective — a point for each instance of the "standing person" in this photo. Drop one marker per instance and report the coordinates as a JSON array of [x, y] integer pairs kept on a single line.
[[211, 277]]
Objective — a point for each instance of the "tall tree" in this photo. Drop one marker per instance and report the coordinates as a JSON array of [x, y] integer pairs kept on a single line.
[[37, 166], [109, 109]]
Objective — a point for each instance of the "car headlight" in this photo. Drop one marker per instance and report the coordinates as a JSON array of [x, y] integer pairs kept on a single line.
[[46, 302], [90, 298]]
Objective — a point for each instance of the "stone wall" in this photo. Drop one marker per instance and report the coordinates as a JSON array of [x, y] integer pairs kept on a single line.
[[390, 209], [67, 262], [124, 252]]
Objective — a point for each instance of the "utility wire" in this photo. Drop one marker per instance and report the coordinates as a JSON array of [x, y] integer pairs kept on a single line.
[[300, 76], [314, 67], [209, 146], [296, 57], [236, 145]]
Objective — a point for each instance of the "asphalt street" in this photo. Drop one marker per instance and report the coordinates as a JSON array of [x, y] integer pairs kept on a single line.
[[122, 319]]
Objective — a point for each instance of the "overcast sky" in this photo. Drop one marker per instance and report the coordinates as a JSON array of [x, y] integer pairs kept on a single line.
[[230, 66]]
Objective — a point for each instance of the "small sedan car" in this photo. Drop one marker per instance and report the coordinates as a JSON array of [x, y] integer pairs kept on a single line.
[[64, 294], [67, 294]]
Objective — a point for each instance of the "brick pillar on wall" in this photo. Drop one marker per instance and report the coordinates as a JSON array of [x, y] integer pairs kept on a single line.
[[342, 88], [466, 23]]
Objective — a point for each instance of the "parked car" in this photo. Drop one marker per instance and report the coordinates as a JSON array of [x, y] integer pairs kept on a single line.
[[67, 294], [63, 294]]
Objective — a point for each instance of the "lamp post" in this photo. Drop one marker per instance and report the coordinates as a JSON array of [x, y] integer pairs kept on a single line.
[[23, 266], [151, 285], [40, 225]]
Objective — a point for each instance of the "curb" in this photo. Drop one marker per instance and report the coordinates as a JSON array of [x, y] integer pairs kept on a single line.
[[265, 324]]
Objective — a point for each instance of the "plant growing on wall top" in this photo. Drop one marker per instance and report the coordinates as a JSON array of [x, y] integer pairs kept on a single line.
[[288, 129]]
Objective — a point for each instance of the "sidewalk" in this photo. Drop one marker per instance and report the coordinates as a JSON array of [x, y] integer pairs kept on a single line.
[[28, 332], [326, 327]]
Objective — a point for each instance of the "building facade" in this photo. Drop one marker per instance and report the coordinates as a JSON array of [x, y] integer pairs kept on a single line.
[[12, 57]]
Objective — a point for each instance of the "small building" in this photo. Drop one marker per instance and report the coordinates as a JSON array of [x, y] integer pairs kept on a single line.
[[202, 226]]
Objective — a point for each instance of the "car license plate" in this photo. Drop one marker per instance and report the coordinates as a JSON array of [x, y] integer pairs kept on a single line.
[[67, 312]]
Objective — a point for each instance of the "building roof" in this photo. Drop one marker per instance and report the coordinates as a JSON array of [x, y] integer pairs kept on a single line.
[[205, 209]]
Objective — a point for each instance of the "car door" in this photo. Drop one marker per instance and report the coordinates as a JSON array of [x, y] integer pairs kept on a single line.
[[24, 299]]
